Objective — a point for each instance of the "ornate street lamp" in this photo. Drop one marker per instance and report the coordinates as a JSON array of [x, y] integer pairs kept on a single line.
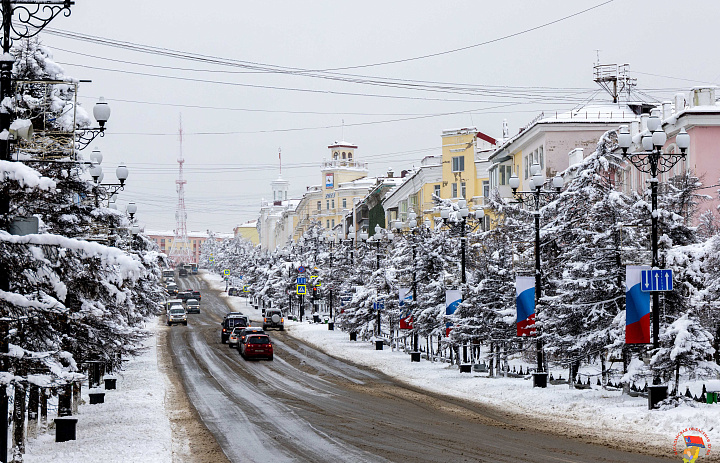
[[535, 197], [85, 136], [654, 161]]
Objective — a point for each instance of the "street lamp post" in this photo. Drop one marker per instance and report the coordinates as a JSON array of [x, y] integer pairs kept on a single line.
[[20, 19], [653, 161], [535, 197], [464, 213]]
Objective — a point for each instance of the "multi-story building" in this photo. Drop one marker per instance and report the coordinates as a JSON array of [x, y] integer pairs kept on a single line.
[[461, 171], [344, 181], [275, 223], [164, 239], [549, 139], [248, 231]]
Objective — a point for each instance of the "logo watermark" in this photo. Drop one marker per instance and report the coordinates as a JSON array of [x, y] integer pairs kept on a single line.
[[691, 444]]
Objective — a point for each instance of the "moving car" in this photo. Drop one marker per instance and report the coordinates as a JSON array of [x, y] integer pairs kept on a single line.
[[257, 346], [192, 305], [196, 294], [176, 314], [242, 333], [234, 336], [185, 294], [230, 322], [172, 289], [171, 302], [273, 319], [182, 272]]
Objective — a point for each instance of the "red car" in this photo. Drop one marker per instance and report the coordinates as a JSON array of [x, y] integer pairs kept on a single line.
[[257, 346]]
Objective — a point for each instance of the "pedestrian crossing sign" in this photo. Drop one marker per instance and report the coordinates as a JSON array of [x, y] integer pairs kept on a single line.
[[301, 289]]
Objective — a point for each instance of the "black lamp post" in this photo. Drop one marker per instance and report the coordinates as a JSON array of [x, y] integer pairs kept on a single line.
[[535, 198], [653, 161]]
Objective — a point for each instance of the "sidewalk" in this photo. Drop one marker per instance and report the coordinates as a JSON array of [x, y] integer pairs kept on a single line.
[[131, 426]]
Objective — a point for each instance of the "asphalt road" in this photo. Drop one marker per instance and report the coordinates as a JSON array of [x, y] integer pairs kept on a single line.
[[308, 407]]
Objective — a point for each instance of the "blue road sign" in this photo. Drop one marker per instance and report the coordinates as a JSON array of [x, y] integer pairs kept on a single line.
[[301, 289], [657, 280], [301, 269], [301, 280]]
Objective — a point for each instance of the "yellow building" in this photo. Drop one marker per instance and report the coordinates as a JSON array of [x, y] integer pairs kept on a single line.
[[248, 231], [461, 171], [343, 181]]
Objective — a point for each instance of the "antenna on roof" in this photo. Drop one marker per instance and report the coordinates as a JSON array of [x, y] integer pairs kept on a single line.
[[597, 52], [342, 133], [614, 79], [280, 159]]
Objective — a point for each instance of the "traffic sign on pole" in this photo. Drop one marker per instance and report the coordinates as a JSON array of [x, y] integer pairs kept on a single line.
[[301, 280], [226, 272], [657, 280], [301, 269], [301, 289]]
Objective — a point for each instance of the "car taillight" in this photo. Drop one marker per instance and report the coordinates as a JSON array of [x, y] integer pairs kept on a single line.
[[282, 320]]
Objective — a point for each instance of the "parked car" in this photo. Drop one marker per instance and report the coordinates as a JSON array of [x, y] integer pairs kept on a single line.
[[257, 346], [231, 322], [233, 291], [176, 314], [273, 319], [171, 302], [245, 332], [192, 305]]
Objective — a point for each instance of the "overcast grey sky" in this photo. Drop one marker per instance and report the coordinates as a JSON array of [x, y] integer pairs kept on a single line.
[[235, 118]]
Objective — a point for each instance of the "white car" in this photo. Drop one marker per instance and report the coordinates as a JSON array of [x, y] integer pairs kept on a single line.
[[176, 314], [192, 305]]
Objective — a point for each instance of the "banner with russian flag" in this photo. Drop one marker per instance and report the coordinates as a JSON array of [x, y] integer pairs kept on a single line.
[[406, 320], [453, 297], [637, 307], [525, 299]]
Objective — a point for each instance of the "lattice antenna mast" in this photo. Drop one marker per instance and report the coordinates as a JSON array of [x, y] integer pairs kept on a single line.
[[180, 250]]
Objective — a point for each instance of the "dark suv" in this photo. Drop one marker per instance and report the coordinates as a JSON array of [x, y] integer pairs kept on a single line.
[[273, 319], [230, 322]]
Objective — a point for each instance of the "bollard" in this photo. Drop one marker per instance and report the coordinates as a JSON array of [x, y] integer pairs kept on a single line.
[[465, 368], [331, 326], [540, 379], [414, 357], [97, 398], [65, 428], [379, 345], [353, 336], [656, 394], [110, 383]]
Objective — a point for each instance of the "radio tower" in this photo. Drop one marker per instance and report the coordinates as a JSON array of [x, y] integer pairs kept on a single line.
[[180, 250]]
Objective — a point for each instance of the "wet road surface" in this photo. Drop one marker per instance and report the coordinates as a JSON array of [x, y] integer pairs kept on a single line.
[[308, 407]]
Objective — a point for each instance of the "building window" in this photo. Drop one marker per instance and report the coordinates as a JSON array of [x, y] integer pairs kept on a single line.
[[437, 191], [458, 163], [328, 224], [542, 157], [333, 203], [527, 166], [343, 155], [333, 223], [462, 190], [344, 203], [319, 205], [327, 204], [454, 190], [503, 180]]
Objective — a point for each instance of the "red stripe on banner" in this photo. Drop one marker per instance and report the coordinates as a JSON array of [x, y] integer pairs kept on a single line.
[[638, 332], [527, 326]]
